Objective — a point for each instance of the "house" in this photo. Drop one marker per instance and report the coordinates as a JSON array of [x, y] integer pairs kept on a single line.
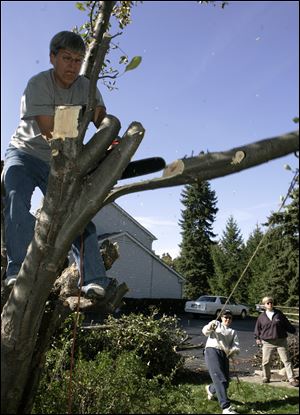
[[145, 274]]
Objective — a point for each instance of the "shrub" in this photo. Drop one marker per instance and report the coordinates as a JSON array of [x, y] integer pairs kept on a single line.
[[152, 339], [112, 386], [125, 367]]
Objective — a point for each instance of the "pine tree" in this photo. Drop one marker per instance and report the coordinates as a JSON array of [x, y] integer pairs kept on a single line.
[[195, 261], [166, 257], [228, 258], [282, 275], [259, 264]]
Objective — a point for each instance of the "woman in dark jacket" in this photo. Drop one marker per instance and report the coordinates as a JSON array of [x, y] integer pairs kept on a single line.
[[271, 331]]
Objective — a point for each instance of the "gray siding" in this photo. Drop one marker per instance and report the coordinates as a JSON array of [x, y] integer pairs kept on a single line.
[[165, 284], [114, 219], [145, 275]]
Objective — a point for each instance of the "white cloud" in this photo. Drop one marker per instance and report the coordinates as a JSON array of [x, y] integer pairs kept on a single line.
[[151, 221]]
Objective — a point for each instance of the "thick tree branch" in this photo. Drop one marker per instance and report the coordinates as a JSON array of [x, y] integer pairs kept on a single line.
[[91, 104], [97, 186], [213, 165], [94, 59], [97, 146], [101, 25]]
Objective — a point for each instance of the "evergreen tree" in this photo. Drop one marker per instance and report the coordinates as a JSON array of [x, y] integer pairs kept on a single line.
[[228, 258], [259, 264], [166, 257], [282, 276], [195, 261]]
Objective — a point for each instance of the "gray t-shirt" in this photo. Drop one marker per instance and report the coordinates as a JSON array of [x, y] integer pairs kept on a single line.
[[40, 97]]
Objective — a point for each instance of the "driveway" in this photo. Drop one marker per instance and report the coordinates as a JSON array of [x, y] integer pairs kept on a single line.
[[243, 365], [245, 331]]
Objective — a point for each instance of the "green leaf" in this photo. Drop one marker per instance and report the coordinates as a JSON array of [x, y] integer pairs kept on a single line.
[[80, 6], [296, 120], [134, 63]]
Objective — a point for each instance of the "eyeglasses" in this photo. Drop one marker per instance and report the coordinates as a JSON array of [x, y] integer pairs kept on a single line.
[[69, 59], [269, 302]]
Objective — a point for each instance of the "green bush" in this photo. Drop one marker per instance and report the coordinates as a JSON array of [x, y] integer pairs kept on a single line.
[[111, 385], [151, 338], [126, 366]]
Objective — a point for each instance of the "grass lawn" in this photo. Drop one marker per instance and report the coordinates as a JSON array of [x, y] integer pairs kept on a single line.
[[248, 398]]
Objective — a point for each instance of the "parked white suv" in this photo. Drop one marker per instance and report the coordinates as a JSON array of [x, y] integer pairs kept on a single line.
[[212, 305]]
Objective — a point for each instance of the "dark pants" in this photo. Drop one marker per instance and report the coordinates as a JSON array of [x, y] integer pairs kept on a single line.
[[218, 367]]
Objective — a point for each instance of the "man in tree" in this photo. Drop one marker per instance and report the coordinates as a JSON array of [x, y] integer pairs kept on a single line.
[[27, 159]]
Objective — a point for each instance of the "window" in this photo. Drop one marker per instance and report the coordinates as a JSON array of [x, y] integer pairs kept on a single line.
[[207, 299]]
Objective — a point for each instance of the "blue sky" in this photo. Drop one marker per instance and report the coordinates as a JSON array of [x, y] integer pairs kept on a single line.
[[210, 79]]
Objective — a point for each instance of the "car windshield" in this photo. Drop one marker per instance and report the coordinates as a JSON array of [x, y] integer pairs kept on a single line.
[[207, 299]]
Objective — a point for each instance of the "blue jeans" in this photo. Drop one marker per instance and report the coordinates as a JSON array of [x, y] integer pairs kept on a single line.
[[22, 174], [218, 367]]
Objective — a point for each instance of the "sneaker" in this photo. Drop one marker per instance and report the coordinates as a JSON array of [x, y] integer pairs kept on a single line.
[[229, 410], [210, 396], [294, 383], [93, 291], [266, 380], [9, 281]]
